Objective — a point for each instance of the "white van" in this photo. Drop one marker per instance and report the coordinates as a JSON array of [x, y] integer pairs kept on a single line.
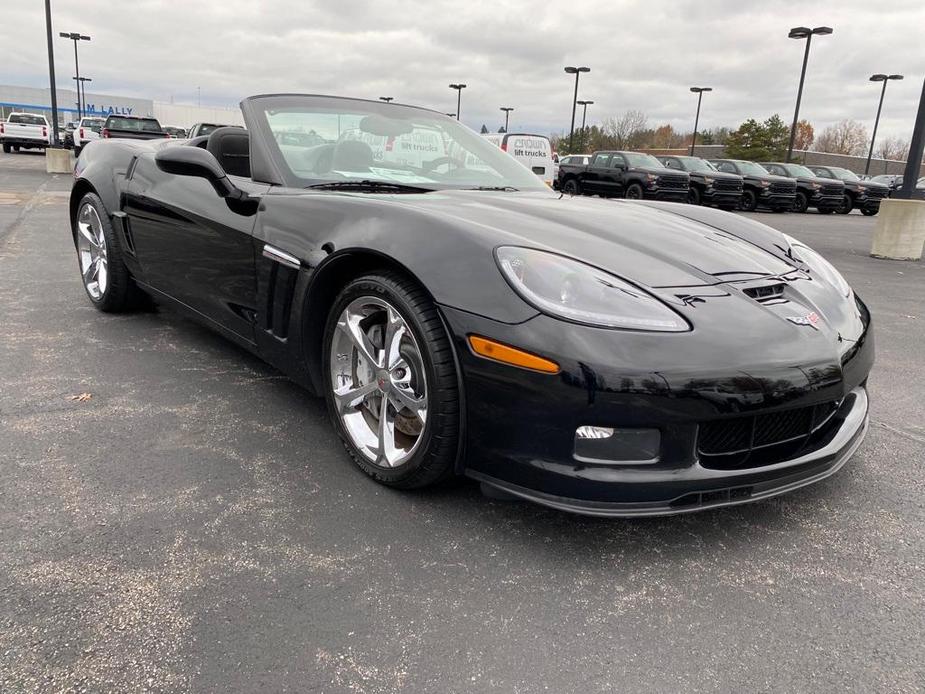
[[533, 151]]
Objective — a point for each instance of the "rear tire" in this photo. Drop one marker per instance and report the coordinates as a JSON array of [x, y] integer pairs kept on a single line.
[[869, 211], [801, 203], [749, 201], [15, 148], [421, 443], [103, 273], [633, 192], [6, 148]]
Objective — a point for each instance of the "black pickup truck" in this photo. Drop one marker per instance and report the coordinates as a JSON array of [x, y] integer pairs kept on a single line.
[[708, 186], [824, 194], [760, 188], [132, 128], [631, 175], [861, 195]]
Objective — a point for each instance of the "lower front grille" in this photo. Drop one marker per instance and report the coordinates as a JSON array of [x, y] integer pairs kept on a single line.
[[764, 439], [877, 192], [832, 190]]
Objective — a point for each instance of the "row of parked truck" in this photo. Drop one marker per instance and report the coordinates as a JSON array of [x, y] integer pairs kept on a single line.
[[32, 131], [730, 184]]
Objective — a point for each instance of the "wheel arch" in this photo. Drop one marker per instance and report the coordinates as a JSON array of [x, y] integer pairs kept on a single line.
[[81, 187]]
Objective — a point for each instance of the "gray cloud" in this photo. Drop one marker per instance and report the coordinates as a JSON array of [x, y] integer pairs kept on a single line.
[[643, 55]]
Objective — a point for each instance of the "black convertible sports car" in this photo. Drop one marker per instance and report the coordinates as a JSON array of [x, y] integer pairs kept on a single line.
[[604, 357]]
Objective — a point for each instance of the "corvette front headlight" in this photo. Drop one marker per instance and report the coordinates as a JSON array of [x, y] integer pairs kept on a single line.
[[577, 292], [819, 265]]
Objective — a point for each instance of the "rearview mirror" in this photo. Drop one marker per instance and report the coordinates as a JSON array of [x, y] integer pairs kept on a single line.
[[195, 161]]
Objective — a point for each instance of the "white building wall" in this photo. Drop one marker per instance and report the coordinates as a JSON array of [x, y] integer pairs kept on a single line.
[[183, 116]]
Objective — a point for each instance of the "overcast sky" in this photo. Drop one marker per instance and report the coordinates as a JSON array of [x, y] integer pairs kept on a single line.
[[643, 55]]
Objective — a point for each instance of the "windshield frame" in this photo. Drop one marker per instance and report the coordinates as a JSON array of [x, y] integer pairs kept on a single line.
[[269, 165]]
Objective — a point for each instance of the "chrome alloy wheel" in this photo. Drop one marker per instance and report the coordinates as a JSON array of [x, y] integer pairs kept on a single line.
[[378, 382], [91, 250]]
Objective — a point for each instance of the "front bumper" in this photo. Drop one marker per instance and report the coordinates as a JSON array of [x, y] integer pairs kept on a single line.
[[666, 194], [826, 202], [777, 201], [702, 489], [520, 425], [725, 198]]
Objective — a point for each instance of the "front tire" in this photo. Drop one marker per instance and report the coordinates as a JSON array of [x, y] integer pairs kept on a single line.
[[846, 206], [571, 187], [390, 381], [633, 192], [99, 258], [801, 203], [749, 201], [869, 211], [693, 196], [6, 148]]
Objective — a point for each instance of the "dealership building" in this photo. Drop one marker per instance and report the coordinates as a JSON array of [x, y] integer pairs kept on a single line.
[[38, 100]]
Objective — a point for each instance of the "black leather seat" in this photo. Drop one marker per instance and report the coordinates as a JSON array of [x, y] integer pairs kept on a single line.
[[231, 146]]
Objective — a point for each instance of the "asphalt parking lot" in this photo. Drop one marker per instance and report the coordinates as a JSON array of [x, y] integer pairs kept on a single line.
[[176, 516]]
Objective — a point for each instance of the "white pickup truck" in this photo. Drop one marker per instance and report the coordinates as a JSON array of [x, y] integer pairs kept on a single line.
[[87, 131], [24, 131]]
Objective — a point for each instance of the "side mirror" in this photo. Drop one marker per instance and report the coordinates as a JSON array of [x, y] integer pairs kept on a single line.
[[195, 161]]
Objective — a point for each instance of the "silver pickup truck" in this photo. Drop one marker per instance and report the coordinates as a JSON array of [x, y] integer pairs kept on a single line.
[[24, 131]]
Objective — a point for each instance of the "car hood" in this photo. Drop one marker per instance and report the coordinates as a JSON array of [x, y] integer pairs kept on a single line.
[[773, 178], [654, 244], [656, 171], [818, 179], [718, 175]]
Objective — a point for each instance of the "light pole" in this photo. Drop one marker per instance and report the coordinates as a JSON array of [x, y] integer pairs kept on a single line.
[[878, 78], [574, 71], [699, 92], [802, 33], [199, 96], [51, 74], [386, 99], [458, 88], [584, 114], [507, 114], [82, 83], [76, 36]]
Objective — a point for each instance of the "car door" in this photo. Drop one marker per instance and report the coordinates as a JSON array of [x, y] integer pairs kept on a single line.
[[193, 245], [615, 184], [596, 170]]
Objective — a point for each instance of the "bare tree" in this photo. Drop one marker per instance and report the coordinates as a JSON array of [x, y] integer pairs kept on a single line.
[[626, 131], [845, 137], [894, 148]]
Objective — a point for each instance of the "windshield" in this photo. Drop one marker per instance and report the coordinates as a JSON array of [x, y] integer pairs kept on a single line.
[[797, 170], [327, 140], [844, 174], [753, 168], [696, 164], [637, 159]]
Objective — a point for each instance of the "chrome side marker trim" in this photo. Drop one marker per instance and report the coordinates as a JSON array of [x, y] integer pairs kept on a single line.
[[281, 257]]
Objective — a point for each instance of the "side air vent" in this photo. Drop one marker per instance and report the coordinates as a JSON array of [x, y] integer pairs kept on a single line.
[[283, 273]]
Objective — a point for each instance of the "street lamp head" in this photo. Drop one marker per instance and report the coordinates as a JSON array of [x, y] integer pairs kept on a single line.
[[386, 99], [507, 108], [799, 32], [457, 86], [878, 77], [822, 31], [572, 70], [451, 115], [697, 90], [895, 77], [73, 36]]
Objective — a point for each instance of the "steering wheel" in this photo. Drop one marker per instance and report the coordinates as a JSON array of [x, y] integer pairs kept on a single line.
[[440, 161]]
